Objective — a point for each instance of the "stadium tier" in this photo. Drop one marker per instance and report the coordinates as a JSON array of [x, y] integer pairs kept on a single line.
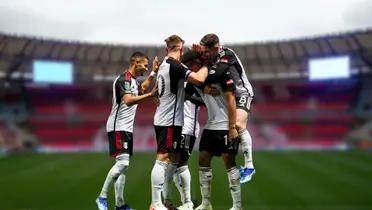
[[289, 110]]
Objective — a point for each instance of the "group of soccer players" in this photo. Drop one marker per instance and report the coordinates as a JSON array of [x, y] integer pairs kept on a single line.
[[208, 74]]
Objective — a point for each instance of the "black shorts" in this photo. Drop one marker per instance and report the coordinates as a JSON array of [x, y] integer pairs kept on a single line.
[[244, 102], [120, 142], [187, 144], [217, 142], [168, 138]]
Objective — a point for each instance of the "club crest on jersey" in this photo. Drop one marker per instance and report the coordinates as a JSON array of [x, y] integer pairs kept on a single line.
[[127, 85]]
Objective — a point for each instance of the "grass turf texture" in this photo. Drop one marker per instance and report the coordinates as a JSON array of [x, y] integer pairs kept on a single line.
[[284, 181]]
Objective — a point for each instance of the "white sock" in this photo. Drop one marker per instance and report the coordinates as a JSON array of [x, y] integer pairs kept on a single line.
[[119, 190], [183, 173], [157, 180], [205, 177], [122, 163], [234, 184], [246, 143], [169, 172], [177, 182]]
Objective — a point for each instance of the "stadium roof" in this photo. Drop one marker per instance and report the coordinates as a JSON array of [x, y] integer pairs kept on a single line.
[[281, 59]]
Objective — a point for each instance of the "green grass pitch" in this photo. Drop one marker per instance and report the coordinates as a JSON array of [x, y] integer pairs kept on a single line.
[[284, 181]]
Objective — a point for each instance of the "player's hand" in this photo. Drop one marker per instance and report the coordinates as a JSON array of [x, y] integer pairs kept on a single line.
[[196, 48], [154, 91], [155, 64], [211, 90], [144, 87], [233, 135]]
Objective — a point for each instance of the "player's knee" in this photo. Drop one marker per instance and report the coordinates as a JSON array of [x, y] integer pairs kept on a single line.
[[118, 168], [174, 157], [183, 161], [121, 165], [164, 157], [229, 161], [239, 126], [204, 160]]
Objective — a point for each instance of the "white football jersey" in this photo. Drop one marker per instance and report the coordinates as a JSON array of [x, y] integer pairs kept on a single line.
[[191, 124], [122, 116], [170, 80], [218, 117]]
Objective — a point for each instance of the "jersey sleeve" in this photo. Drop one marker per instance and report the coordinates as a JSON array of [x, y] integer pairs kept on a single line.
[[123, 86], [227, 82], [190, 89], [179, 71]]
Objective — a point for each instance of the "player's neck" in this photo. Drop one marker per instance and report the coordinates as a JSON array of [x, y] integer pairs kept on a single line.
[[174, 55], [132, 71]]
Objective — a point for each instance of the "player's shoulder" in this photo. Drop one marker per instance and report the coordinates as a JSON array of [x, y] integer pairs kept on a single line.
[[125, 76], [173, 62], [226, 55]]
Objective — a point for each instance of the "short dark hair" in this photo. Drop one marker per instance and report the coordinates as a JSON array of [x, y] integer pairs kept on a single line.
[[191, 56], [173, 41], [210, 40], [136, 56]]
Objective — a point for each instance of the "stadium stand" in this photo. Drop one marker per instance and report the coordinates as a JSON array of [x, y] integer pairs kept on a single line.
[[289, 111]]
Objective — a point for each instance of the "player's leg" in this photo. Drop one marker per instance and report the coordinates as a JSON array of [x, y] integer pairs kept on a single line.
[[243, 107], [169, 173], [206, 150], [120, 182], [229, 152], [158, 179], [160, 166], [174, 148], [182, 177], [120, 166]]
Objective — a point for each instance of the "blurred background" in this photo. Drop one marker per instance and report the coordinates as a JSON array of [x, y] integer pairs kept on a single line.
[[311, 118], [311, 93]]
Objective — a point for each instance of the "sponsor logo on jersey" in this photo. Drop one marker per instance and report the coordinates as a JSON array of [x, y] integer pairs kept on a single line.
[[229, 82], [212, 71], [224, 60]]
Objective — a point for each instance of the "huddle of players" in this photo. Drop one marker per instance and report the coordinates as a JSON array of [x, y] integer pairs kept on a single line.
[[209, 74]]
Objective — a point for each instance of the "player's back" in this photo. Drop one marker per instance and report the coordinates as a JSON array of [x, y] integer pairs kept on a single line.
[[241, 82], [170, 79], [218, 118], [122, 116]]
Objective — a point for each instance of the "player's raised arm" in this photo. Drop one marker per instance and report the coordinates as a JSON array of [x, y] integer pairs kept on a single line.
[[155, 68]]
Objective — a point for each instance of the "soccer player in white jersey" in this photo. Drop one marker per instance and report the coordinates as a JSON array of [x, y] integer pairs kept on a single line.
[[168, 119], [219, 137], [215, 53], [119, 126], [190, 133]]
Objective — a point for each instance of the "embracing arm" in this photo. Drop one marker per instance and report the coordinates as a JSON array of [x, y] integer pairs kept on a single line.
[[198, 78], [130, 100], [231, 106]]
